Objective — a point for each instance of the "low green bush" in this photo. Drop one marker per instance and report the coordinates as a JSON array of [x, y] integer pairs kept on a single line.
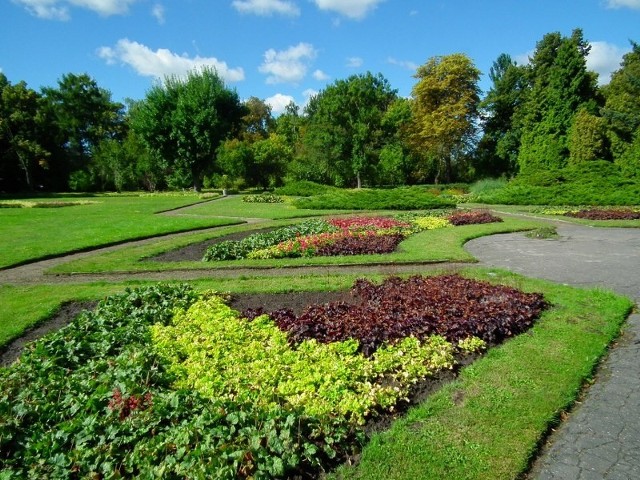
[[587, 183], [303, 188], [404, 198]]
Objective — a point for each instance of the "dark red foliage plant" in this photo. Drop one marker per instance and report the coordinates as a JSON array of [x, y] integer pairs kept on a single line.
[[606, 214], [448, 305], [472, 218], [361, 245]]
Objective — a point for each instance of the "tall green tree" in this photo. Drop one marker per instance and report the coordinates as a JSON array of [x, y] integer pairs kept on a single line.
[[23, 157], [445, 109], [561, 85], [184, 121], [498, 147], [344, 130], [84, 115], [622, 105]]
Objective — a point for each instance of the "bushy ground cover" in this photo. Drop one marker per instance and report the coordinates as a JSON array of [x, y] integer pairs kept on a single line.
[[606, 214], [363, 235], [163, 381], [403, 198], [588, 183], [303, 188]]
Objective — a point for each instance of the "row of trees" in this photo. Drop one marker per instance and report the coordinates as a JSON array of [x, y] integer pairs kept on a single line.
[[195, 131]]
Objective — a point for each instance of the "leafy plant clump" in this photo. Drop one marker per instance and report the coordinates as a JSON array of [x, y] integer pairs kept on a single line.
[[472, 218], [606, 214], [237, 249], [263, 198], [450, 306]]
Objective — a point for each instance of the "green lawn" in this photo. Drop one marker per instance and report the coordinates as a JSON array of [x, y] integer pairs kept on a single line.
[[31, 233], [441, 245]]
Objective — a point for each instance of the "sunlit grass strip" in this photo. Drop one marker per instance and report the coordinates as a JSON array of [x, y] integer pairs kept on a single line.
[[487, 424], [36, 233], [438, 245]]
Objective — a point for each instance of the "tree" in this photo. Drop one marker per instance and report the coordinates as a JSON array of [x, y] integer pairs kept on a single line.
[[622, 105], [561, 85], [498, 148], [257, 122], [445, 108], [184, 121], [344, 130], [84, 115], [22, 155], [587, 139]]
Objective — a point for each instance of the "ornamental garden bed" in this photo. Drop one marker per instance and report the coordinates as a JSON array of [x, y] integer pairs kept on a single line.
[[630, 213], [340, 236], [164, 381]]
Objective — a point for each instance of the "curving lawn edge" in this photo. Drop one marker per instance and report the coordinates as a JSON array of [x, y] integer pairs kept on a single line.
[[431, 246]]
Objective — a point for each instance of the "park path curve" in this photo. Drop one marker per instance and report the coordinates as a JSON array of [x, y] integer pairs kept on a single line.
[[601, 438]]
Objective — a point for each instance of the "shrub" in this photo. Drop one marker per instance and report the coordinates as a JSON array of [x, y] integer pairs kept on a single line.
[[404, 198], [303, 188], [472, 218]]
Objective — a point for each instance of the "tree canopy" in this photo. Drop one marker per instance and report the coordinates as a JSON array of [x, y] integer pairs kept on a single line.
[[445, 108]]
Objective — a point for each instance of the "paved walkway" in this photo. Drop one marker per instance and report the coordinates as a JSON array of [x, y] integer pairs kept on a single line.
[[601, 438]]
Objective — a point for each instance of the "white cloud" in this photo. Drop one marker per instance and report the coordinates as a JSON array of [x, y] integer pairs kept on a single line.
[[604, 58], [287, 66], [59, 9], [320, 75], [158, 12], [624, 3], [403, 63], [164, 62], [266, 7], [308, 94], [354, 62], [356, 9], [279, 102]]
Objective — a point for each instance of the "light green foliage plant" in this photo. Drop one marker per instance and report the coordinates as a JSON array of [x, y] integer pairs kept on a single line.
[[224, 357]]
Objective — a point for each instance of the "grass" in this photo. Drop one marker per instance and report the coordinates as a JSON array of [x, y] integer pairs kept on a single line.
[[35, 233], [488, 423], [441, 245], [235, 207]]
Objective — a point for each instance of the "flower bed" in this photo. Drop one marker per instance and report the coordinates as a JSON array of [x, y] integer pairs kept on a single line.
[[340, 236], [606, 214], [165, 382]]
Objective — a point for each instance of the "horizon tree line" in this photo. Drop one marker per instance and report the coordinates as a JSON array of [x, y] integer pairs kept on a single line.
[[195, 132]]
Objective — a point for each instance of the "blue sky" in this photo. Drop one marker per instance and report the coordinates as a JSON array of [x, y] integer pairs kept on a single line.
[[282, 50]]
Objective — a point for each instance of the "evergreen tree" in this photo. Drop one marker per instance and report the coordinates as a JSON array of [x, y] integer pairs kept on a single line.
[[561, 85]]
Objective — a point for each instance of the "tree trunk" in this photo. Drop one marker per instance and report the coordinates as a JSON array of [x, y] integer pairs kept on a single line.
[[359, 182]]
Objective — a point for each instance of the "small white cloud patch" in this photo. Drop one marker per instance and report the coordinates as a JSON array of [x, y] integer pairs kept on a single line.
[[287, 66]]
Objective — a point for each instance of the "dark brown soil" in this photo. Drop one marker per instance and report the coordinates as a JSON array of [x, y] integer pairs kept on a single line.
[[66, 313], [195, 251]]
